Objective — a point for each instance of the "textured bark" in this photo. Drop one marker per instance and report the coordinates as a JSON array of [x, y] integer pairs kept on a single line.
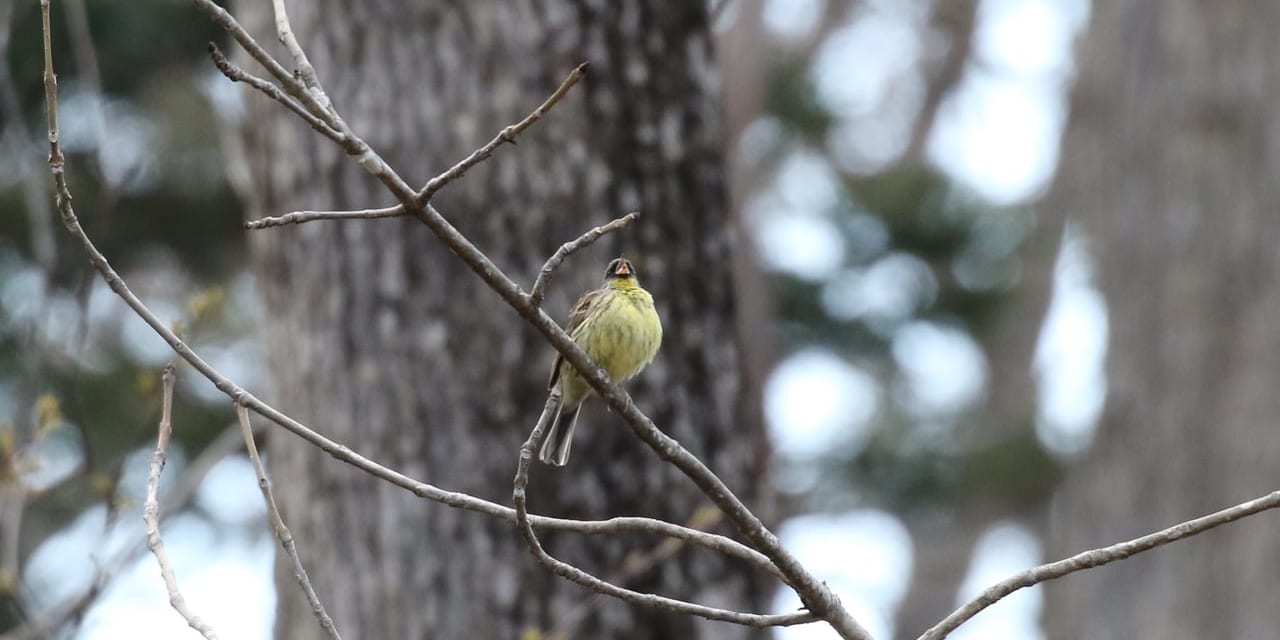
[[381, 339], [1170, 161]]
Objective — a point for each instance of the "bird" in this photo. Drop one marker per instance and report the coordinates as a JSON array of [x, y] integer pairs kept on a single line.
[[619, 328]]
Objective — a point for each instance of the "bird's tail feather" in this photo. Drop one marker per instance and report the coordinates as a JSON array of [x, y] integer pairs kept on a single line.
[[555, 448]]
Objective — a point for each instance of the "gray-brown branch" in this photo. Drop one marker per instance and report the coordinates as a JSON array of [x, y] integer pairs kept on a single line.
[[282, 532], [576, 575], [151, 507], [1097, 558], [539, 290]]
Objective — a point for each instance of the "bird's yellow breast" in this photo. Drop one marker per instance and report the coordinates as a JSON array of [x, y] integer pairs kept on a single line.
[[625, 333]]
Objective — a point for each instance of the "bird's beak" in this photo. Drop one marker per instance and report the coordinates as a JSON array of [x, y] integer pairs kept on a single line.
[[623, 269]]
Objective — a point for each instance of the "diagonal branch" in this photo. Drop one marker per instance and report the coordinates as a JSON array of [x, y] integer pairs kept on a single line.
[[282, 532], [1097, 558], [508, 134], [574, 574], [236, 74]]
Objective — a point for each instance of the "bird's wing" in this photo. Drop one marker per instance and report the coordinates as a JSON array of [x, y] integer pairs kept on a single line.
[[581, 309]]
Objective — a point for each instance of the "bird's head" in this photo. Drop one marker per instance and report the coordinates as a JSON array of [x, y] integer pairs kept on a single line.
[[619, 269]]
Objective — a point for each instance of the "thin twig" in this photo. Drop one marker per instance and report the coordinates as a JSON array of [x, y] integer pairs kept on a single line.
[[151, 510], [539, 290], [1097, 558], [317, 106], [236, 74], [282, 532], [574, 574], [298, 217], [508, 134], [633, 565]]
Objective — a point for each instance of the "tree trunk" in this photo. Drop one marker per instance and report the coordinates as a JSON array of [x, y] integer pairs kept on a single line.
[[1170, 161], [381, 339]]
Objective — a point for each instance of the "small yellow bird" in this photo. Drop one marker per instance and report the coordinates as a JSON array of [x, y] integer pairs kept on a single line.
[[620, 331]]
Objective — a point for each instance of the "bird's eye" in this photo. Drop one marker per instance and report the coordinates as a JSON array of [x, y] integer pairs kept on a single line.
[[612, 268]]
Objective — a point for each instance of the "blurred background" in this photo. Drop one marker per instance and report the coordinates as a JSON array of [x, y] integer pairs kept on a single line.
[[1013, 264]]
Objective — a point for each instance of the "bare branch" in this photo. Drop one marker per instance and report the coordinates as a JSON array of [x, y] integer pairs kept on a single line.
[[633, 565], [539, 290], [574, 574], [506, 135], [298, 217], [1097, 558], [151, 508], [277, 524], [236, 74]]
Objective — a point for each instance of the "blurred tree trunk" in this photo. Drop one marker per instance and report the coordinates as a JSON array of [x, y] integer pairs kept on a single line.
[[381, 339], [1170, 162]]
